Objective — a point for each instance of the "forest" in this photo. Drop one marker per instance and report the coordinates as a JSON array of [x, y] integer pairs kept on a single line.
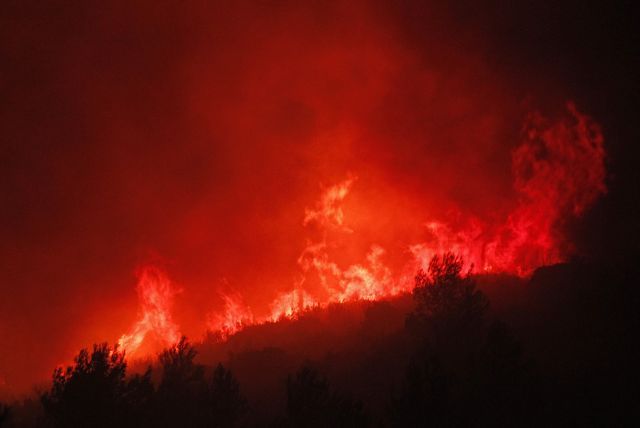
[[556, 349]]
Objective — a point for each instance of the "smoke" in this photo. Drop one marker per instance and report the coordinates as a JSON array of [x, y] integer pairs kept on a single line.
[[198, 134], [558, 173]]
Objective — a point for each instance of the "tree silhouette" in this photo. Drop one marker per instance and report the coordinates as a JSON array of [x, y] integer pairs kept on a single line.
[[450, 312], [179, 370], [468, 373], [226, 403], [181, 395], [94, 392], [445, 297], [185, 396], [89, 393], [138, 398], [310, 403]]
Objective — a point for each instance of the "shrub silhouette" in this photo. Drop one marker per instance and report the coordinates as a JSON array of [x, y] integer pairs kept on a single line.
[[311, 403], [88, 393], [95, 392], [186, 398]]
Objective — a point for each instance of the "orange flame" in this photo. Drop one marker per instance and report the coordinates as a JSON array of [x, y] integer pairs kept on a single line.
[[559, 172], [155, 294], [288, 305], [236, 315]]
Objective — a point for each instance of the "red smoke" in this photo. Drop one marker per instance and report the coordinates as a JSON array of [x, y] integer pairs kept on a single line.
[[270, 157], [558, 172]]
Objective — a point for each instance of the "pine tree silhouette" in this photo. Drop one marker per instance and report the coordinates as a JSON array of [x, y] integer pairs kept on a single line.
[[88, 393]]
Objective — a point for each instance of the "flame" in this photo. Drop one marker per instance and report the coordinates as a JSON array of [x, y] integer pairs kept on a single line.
[[236, 315], [289, 305], [366, 281], [558, 173], [155, 295]]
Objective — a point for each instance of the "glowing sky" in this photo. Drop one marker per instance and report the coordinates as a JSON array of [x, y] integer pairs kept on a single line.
[[197, 138]]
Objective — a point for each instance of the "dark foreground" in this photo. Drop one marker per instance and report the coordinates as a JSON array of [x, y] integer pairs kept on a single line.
[[558, 349]]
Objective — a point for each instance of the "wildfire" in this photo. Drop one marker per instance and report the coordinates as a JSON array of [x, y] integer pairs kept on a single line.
[[288, 305], [558, 171], [155, 294], [236, 315]]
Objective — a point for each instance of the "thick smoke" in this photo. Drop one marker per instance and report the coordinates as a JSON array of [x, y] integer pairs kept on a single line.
[[199, 137]]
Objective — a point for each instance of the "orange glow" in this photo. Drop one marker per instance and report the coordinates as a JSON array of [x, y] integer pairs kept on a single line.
[[559, 172], [155, 294], [236, 315], [328, 212], [276, 158], [289, 305]]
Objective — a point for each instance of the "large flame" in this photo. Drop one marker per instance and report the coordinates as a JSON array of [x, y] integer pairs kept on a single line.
[[558, 172], [155, 293]]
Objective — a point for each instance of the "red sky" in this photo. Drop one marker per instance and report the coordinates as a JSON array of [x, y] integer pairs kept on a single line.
[[193, 137]]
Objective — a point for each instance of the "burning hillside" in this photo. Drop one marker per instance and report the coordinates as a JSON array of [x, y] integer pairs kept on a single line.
[[558, 173], [202, 168]]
